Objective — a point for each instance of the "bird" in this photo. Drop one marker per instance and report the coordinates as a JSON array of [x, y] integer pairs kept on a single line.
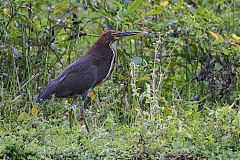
[[90, 70]]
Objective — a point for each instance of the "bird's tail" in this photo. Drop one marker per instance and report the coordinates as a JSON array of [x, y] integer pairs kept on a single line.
[[41, 97], [46, 93]]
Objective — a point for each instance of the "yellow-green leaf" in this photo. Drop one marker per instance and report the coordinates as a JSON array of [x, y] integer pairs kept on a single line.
[[225, 126], [23, 117], [5, 11], [145, 78], [164, 3], [167, 111], [235, 37], [133, 7], [60, 9], [218, 40], [35, 111], [214, 35], [92, 95], [154, 11], [117, 4]]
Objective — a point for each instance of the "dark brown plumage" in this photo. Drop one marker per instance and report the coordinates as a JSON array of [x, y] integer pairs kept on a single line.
[[93, 68]]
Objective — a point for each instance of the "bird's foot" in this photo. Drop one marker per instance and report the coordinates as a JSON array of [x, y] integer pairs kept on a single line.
[[79, 117], [74, 109]]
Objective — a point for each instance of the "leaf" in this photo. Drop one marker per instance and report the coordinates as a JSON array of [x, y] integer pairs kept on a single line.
[[145, 78], [180, 3], [60, 9], [235, 37], [172, 21], [92, 95], [225, 126], [192, 9], [154, 11], [35, 111], [148, 101], [156, 116], [218, 40], [227, 52], [167, 111], [137, 60], [16, 53], [23, 117], [133, 7], [175, 145], [164, 3], [214, 35], [5, 11], [117, 4]]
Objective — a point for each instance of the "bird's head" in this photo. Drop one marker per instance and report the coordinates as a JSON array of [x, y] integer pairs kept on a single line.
[[112, 35]]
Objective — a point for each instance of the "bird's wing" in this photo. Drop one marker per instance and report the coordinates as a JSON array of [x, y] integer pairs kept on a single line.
[[77, 82], [74, 80]]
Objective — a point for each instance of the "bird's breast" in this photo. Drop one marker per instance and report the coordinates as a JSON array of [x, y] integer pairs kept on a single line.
[[106, 64]]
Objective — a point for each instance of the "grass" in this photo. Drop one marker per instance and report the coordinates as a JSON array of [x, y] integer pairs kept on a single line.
[[187, 131]]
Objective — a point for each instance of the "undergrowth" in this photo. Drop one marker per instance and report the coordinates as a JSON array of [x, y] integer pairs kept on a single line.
[[174, 92]]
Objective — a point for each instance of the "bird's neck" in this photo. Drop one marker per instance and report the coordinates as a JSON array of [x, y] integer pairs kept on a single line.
[[101, 50]]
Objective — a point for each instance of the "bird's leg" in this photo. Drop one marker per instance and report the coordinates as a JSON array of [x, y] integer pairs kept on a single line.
[[73, 108], [82, 111]]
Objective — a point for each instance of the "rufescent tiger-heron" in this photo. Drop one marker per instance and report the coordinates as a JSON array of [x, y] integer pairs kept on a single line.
[[93, 68]]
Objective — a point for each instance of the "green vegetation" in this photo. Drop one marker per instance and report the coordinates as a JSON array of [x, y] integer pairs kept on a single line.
[[174, 92]]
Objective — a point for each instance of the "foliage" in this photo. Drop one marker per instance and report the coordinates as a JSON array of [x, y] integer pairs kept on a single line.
[[174, 93]]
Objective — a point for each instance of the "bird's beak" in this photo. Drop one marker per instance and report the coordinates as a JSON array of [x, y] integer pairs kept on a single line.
[[124, 34]]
